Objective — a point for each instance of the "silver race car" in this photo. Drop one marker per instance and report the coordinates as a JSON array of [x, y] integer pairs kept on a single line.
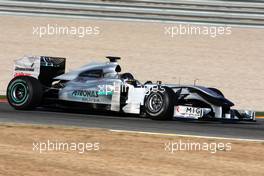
[[42, 81]]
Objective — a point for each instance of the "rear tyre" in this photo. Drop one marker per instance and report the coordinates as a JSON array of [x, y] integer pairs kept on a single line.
[[24, 93], [159, 105]]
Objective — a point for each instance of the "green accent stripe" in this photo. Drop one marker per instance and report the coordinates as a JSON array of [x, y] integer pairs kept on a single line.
[[105, 93]]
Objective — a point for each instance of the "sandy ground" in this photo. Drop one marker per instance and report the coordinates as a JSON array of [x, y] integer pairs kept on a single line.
[[119, 154], [233, 63]]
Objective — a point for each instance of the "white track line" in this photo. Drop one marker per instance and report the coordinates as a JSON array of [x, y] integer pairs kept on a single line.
[[184, 135]]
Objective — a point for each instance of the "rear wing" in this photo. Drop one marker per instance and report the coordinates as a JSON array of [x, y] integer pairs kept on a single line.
[[43, 68]]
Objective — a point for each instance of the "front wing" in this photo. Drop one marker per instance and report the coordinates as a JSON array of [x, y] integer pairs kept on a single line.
[[203, 113]]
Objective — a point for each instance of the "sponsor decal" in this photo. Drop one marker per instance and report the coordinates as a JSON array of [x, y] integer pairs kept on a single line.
[[85, 93], [187, 111], [92, 96], [24, 69], [193, 110]]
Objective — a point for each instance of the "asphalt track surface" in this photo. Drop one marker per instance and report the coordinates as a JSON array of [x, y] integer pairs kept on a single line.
[[47, 116]]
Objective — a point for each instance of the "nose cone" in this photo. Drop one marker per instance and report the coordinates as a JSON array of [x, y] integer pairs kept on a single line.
[[227, 102]]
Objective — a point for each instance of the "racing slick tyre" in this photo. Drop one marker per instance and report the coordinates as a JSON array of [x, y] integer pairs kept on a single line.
[[24, 93], [159, 105]]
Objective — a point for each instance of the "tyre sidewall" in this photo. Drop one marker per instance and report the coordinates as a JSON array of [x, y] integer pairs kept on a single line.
[[166, 112], [33, 90]]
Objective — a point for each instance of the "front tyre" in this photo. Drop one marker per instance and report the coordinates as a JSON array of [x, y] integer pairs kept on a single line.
[[24, 93], [159, 105]]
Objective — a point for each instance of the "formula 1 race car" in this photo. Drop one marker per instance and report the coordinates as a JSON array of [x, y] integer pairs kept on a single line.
[[42, 81]]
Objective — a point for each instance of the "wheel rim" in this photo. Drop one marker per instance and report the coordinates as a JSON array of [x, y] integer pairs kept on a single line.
[[155, 103], [19, 92]]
